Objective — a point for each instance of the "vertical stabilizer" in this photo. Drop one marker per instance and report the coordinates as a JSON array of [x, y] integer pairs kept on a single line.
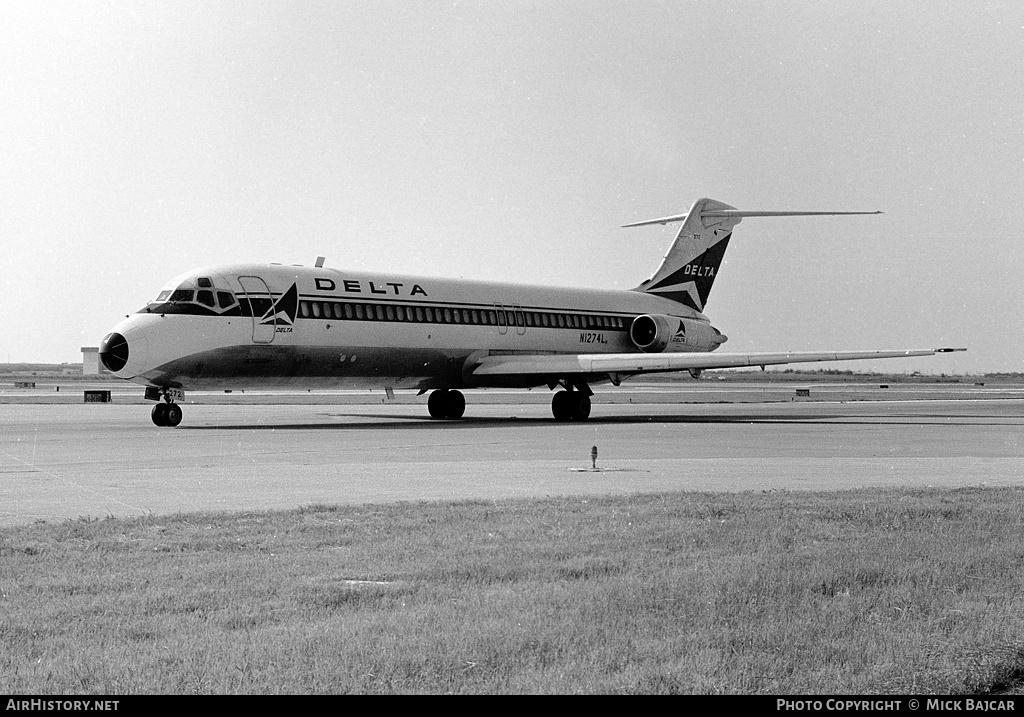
[[691, 265]]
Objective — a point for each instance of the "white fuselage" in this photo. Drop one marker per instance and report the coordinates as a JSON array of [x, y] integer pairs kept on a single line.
[[249, 326]]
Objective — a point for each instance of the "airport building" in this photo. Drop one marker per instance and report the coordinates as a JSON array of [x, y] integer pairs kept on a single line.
[[90, 360]]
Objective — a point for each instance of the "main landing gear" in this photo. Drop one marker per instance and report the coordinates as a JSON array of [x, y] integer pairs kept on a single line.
[[572, 404], [446, 403]]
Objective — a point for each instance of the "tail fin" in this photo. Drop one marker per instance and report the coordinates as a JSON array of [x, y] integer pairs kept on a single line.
[[689, 269], [691, 265]]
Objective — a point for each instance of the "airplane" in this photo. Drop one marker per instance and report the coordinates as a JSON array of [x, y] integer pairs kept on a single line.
[[244, 326]]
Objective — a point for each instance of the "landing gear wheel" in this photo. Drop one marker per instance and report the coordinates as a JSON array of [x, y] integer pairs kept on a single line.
[[436, 404], [560, 406], [446, 404], [456, 405], [581, 407], [570, 406], [173, 414], [166, 414], [159, 413]]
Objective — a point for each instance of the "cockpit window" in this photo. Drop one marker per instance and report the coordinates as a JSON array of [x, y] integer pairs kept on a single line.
[[210, 299]]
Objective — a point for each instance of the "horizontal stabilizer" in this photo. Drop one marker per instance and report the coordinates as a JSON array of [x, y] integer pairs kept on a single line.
[[739, 214]]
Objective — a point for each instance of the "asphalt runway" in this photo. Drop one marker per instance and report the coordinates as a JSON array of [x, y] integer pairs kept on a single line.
[[70, 460]]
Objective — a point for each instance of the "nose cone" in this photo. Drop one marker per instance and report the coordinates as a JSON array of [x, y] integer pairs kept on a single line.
[[114, 352]]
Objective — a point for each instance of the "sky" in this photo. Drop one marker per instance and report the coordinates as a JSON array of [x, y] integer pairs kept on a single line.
[[510, 141]]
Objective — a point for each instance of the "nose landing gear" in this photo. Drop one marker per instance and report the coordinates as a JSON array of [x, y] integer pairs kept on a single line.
[[166, 413]]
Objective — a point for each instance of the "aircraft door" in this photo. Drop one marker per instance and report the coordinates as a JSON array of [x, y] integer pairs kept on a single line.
[[502, 319], [520, 320], [259, 298]]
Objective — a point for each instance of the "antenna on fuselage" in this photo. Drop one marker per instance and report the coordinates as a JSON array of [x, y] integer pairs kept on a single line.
[[320, 261]]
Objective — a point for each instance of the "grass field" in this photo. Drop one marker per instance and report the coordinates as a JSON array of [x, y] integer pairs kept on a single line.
[[866, 592]]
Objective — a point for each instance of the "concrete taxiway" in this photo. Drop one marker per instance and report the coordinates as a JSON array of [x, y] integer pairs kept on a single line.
[[68, 460]]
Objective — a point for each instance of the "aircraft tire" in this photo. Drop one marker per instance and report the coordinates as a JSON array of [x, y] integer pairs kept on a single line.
[[455, 404], [159, 414], [173, 415], [580, 407], [560, 407], [437, 404]]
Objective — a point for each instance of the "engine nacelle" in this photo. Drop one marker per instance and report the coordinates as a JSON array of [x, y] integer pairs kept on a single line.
[[655, 333]]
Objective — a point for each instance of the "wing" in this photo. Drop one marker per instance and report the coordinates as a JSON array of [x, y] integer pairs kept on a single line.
[[629, 364]]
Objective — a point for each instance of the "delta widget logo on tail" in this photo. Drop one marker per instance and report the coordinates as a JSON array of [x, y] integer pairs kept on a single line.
[[690, 283], [282, 313]]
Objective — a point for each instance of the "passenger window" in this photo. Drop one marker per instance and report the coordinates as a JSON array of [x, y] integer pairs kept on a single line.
[[390, 312], [380, 312], [337, 311], [359, 311], [447, 316], [475, 316], [348, 311], [457, 316], [316, 310], [430, 315], [304, 309], [400, 313]]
